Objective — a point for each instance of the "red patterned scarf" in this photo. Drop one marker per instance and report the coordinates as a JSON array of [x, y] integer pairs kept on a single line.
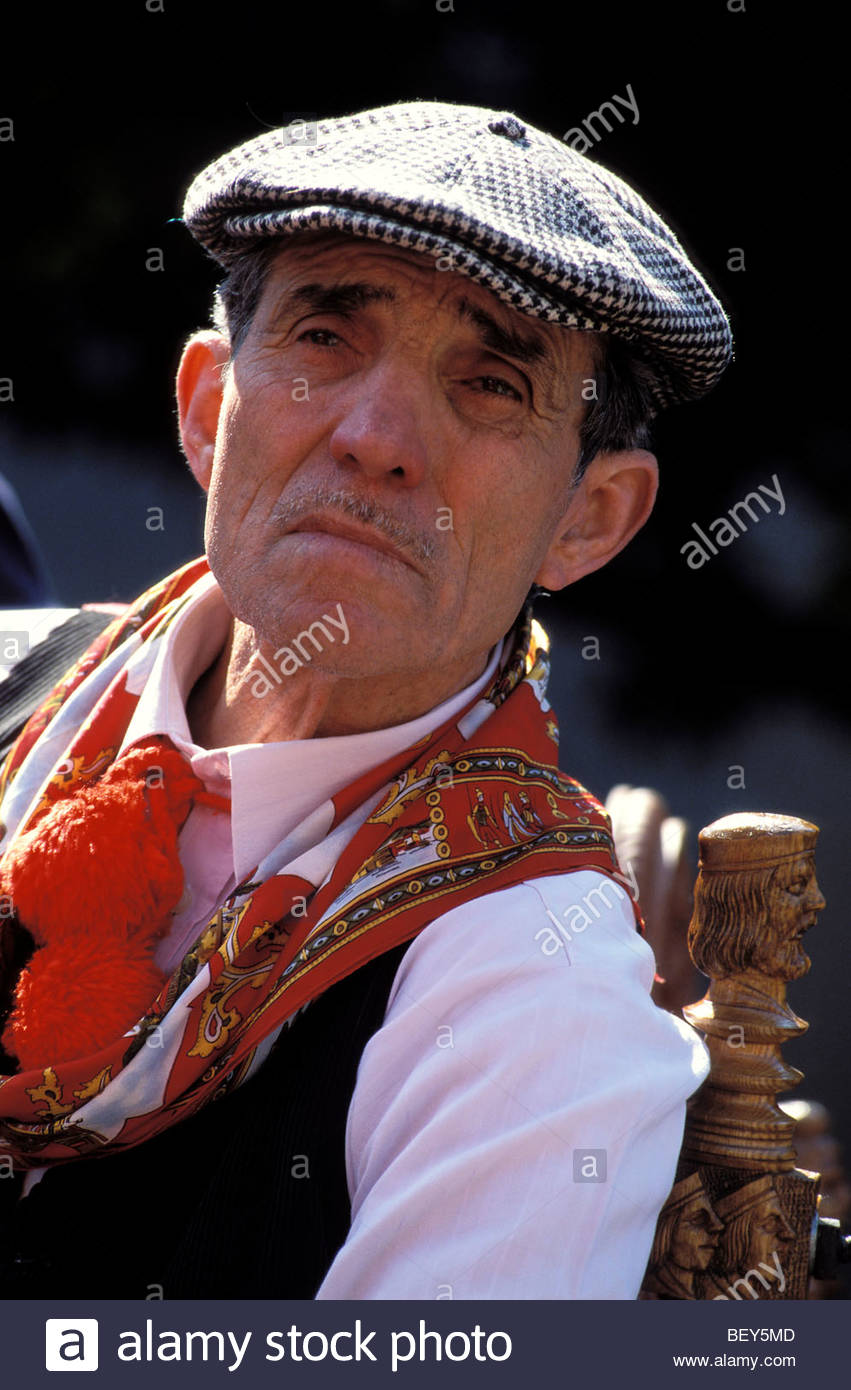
[[476, 806]]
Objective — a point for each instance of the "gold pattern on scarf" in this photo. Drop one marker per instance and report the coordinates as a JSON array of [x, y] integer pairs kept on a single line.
[[93, 1088], [407, 786], [75, 771], [218, 1018], [50, 1092], [221, 927], [429, 834]]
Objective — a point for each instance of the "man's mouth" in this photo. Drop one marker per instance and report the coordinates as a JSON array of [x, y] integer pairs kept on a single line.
[[344, 528]]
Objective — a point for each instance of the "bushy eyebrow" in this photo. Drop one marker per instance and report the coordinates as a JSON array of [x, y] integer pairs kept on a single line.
[[331, 299], [345, 299], [524, 347]]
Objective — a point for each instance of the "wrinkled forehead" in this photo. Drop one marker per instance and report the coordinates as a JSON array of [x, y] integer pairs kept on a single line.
[[801, 867], [698, 1205], [769, 1205], [335, 257]]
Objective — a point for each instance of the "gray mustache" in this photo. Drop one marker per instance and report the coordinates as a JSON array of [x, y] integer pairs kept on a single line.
[[290, 512]]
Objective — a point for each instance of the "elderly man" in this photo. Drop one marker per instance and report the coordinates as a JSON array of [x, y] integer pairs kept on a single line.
[[322, 978]]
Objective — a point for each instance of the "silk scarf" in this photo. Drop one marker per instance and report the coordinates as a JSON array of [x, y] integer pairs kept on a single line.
[[476, 806]]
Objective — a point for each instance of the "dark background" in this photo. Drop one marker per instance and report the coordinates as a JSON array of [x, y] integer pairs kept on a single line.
[[738, 145]]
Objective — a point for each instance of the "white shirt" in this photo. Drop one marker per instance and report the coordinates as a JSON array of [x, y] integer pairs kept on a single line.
[[498, 1068], [520, 1045]]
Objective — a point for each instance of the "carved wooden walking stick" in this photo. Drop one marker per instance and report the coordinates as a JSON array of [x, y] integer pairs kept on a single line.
[[740, 1220]]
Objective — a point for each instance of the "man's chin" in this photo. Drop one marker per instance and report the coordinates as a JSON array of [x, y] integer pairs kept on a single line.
[[340, 651], [794, 962], [322, 620]]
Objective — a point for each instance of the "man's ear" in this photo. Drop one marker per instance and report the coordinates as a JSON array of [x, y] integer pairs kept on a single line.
[[199, 399], [612, 501]]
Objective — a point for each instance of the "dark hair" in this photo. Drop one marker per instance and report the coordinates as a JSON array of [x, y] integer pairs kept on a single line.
[[618, 416]]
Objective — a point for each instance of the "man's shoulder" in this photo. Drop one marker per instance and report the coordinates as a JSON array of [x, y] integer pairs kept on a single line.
[[38, 647], [575, 900], [533, 929], [22, 629]]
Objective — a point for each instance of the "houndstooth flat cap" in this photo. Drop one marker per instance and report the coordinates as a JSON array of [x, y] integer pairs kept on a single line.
[[547, 230]]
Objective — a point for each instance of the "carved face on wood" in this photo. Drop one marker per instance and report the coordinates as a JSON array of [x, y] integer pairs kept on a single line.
[[695, 1234], [795, 902], [686, 1235], [756, 1227], [754, 918], [757, 1233], [769, 1231]]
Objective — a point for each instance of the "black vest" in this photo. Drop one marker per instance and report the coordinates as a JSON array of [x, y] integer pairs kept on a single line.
[[247, 1199]]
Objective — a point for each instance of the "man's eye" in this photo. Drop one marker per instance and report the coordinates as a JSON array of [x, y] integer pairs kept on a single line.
[[320, 333], [498, 386]]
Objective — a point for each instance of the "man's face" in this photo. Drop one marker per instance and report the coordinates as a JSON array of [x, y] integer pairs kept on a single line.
[[696, 1234], [770, 1231], [376, 389], [795, 903]]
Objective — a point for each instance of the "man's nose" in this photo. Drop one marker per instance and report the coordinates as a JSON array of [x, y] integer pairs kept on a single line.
[[815, 900], [382, 427]]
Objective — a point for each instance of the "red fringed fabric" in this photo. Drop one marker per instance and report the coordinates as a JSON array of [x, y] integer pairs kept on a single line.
[[95, 881]]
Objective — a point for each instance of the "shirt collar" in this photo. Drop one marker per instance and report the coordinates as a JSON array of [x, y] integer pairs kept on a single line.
[[274, 787]]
